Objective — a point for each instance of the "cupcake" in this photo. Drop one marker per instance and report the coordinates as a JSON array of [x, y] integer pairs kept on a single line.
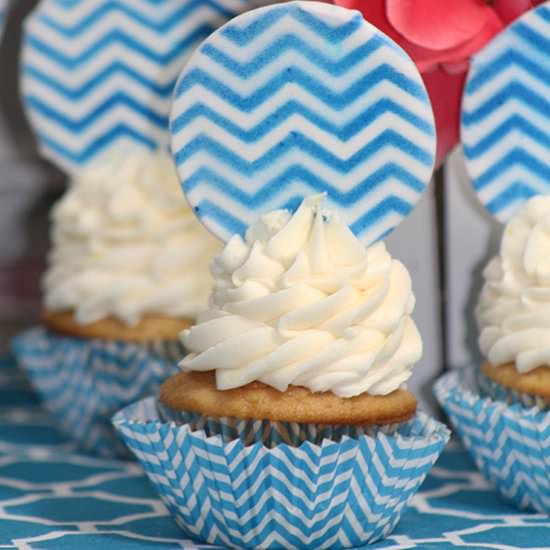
[[500, 408], [128, 270], [514, 310], [291, 411], [305, 325]]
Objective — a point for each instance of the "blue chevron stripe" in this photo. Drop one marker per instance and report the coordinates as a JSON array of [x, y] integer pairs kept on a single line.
[[96, 81], [337, 100], [515, 157], [214, 481], [97, 145], [496, 136], [484, 73], [495, 141], [298, 141], [286, 111], [209, 210], [515, 90], [380, 211], [296, 173], [532, 37], [516, 193], [108, 9], [73, 62], [333, 34], [509, 443], [289, 42], [81, 124]]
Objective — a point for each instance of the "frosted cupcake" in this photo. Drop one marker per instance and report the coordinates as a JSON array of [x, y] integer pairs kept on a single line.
[[305, 325], [514, 310], [128, 270], [297, 370], [500, 410]]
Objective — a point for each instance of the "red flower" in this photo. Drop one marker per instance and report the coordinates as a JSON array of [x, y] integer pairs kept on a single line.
[[441, 36]]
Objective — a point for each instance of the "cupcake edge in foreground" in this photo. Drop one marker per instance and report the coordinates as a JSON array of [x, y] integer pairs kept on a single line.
[[513, 310], [305, 325]]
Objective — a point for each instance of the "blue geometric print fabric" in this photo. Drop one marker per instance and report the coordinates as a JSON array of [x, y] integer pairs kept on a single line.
[[84, 382], [506, 115], [54, 499], [510, 444], [100, 73], [298, 99]]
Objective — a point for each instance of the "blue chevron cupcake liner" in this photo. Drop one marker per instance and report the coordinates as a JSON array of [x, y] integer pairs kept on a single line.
[[267, 432], [489, 388], [84, 382], [337, 494], [509, 443]]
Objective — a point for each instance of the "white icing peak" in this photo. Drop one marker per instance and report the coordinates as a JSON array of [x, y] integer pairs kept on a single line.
[[126, 244], [301, 302], [514, 307]]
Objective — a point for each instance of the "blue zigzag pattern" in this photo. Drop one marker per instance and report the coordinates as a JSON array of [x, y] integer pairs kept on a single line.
[[68, 105], [502, 123], [509, 443], [238, 133], [337, 494], [84, 382]]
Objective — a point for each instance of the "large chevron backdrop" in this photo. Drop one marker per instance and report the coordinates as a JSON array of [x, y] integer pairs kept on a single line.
[[509, 444], [101, 72], [297, 99], [506, 115], [333, 495]]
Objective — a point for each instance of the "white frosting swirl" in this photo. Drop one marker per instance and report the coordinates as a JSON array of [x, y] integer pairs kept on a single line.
[[126, 244], [514, 307], [301, 302]]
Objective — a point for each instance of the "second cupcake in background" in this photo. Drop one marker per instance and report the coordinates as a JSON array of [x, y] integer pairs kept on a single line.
[[514, 310], [128, 270]]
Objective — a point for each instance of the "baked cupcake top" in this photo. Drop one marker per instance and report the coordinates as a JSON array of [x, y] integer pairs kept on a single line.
[[514, 307], [300, 301], [126, 244]]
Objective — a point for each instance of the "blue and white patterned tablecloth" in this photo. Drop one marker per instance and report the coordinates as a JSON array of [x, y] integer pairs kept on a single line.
[[53, 498]]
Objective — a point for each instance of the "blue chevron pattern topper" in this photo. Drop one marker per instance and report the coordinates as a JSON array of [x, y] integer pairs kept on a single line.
[[96, 74], [84, 382], [296, 99], [506, 115], [334, 495], [510, 444]]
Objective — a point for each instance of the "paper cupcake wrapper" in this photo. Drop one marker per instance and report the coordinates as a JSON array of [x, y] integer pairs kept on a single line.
[[337, 494], [489, 388], [510, 444], [84, 382], [268, 432]]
